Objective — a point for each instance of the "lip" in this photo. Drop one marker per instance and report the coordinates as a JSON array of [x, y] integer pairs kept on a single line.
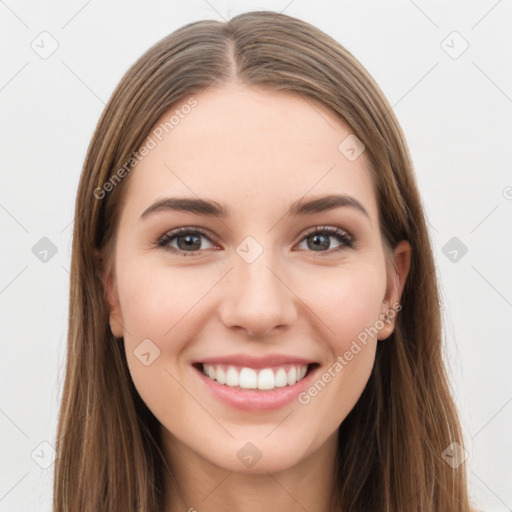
[[257, 363], [256, 400]]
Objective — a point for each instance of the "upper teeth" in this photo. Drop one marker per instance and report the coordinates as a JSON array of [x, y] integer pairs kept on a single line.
[[248, 378]]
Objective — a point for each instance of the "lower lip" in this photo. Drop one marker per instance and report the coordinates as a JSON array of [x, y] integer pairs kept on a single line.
[[257, 400]]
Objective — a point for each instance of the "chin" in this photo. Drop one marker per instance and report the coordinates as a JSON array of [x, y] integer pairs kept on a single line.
[[259, 456]]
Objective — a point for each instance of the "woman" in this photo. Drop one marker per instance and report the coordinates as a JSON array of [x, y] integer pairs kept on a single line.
[[254, 313]]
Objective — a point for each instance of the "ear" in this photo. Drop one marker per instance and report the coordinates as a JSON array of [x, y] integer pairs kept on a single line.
[[396, 276], [111, 297]]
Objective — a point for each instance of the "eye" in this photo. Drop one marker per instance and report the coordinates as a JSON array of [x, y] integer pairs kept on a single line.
[[185, 241], [189, 241], [318, 240]]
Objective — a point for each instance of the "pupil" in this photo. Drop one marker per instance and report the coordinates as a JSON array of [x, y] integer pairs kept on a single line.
[[191, 240], [321, 241]]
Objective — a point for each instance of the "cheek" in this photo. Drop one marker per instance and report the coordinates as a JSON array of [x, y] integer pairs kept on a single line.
[[163, 305], [157, 305], [347, 300], [156, 299], [348, 306]]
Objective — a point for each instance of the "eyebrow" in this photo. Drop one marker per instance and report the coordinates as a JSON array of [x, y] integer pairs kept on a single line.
[[213, 209]]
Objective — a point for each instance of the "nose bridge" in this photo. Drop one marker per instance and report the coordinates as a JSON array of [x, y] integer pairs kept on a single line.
[[255, 297]]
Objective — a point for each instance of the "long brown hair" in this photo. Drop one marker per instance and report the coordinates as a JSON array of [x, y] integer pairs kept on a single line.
[[391, 444]]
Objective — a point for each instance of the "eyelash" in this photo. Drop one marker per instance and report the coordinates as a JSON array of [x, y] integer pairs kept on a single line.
[[347, 240]]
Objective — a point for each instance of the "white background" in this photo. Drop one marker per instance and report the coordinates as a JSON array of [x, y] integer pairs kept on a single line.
[[456, 115]]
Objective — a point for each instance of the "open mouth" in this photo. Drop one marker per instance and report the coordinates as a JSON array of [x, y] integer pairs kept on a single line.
[[264, 379]]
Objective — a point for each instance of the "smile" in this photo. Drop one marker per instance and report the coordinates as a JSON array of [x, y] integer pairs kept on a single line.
[[250, 378], [256, 383]]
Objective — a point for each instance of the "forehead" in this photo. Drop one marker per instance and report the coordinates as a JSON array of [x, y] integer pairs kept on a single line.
[[251, 149]]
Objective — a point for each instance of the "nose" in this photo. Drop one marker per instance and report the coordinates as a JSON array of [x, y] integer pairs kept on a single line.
[[256, 298]]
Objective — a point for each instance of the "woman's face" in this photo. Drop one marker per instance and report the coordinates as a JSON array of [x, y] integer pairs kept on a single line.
[[248, 286]]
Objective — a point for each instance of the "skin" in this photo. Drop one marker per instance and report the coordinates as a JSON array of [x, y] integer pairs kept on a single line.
[[256, 152]]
